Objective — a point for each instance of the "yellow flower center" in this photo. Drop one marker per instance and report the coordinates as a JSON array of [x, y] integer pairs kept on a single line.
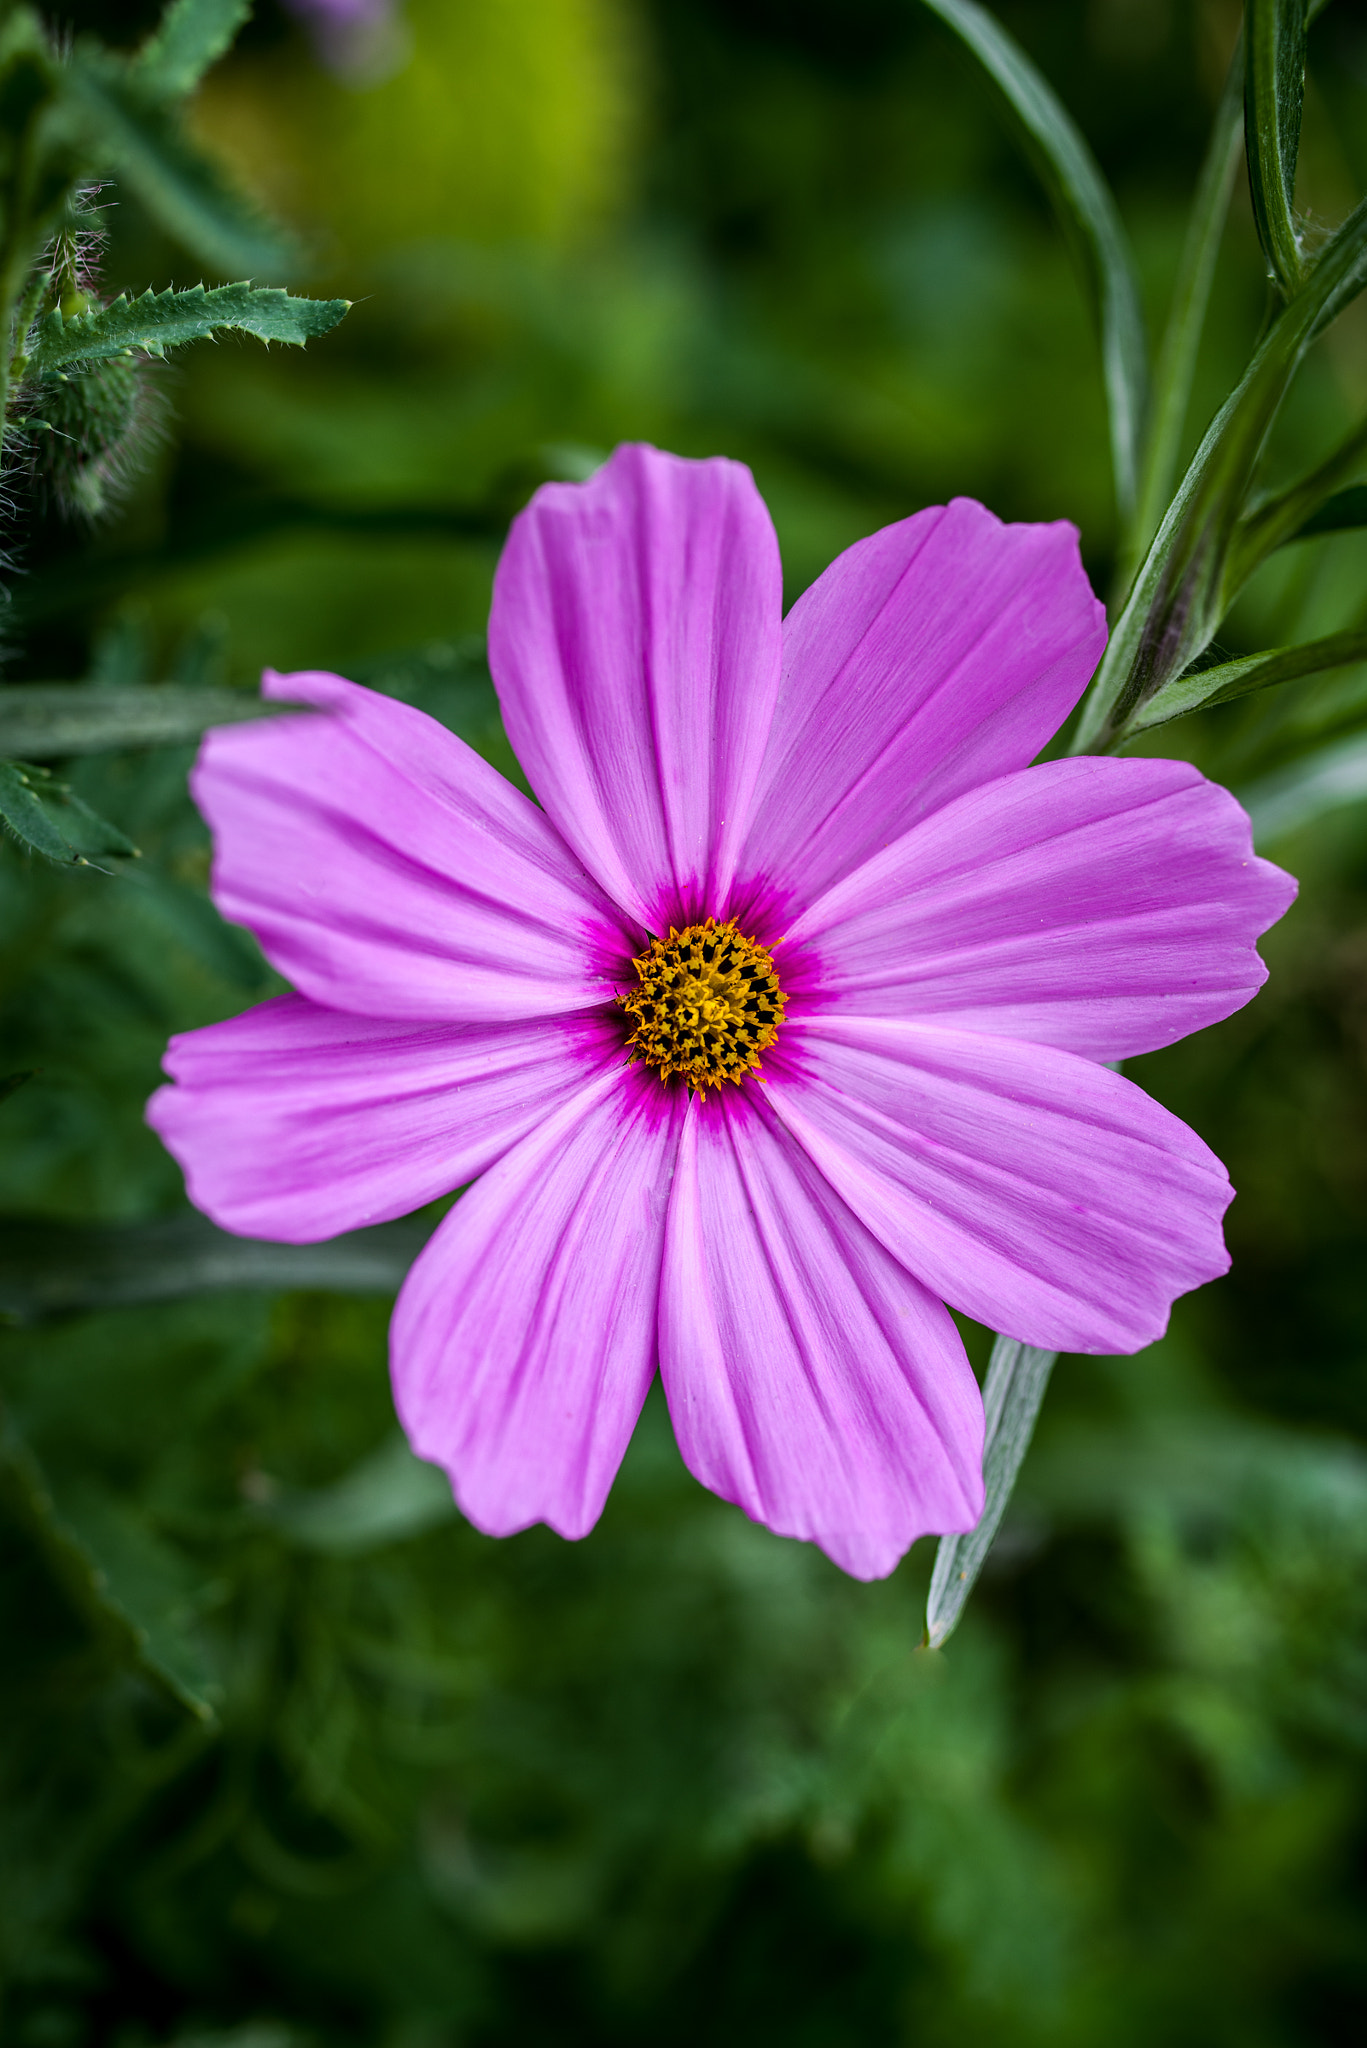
[[708, 1004]]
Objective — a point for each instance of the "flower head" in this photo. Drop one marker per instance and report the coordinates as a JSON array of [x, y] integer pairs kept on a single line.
[[780, 1024], [354, 37]]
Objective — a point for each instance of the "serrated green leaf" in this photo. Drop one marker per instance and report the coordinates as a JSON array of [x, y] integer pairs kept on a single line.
[[53, 721], [1088, 212], [192, 35], [50, 818], [1193, 569], [158, 321], [26, 817], [49, 1269], [1014, 1388], [1231, 679], [1274, 88], [137, 138]]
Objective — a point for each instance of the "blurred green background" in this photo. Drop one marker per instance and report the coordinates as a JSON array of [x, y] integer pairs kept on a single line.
[[288, 1754]]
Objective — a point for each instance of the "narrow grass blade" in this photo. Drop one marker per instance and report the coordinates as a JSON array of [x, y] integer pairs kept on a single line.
[[1016, 1380], [1091, 220], [1233, 679]]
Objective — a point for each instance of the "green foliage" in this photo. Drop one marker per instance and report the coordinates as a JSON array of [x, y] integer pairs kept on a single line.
[[137, 137], [290, 1757], [71, 367], [1196, 565], [146, 148], [1227, 680]]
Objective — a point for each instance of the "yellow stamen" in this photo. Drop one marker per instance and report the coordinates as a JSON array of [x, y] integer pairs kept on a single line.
[[708, 1005]]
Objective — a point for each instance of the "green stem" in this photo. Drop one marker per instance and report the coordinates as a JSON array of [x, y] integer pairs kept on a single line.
[[28, 312], [1274, 85]]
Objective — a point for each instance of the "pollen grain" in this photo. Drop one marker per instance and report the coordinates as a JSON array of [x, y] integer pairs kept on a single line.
[[708, 1004]]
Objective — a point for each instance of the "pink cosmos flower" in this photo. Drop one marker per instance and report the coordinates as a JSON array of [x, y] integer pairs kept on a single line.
[[811, 846]]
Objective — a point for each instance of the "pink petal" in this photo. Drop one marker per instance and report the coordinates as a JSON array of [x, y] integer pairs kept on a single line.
[[935, 655], [1107, 907], [388, 870], [1036, 1191], [294, 1122], [811, 1379], [523, 1342], [635, 639]]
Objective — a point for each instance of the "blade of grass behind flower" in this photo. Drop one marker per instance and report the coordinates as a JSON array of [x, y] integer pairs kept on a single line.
[[1090, 218]]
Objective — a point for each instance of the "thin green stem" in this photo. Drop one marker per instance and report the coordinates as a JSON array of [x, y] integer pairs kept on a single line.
[[1274, 86], [39, 286]]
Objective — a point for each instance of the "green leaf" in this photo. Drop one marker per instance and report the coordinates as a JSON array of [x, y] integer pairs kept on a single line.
[[26, 816], [1087, 210], [389, 1495], [1233, 679], [134, 135], [192, 35], [158, 321], [48, 817], [91, 835], [1295, 797], [1014, 1389], [49, 1269], [120, 1570], [1193, 569], [9, 1082], [1274, 88], [52, 721]]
